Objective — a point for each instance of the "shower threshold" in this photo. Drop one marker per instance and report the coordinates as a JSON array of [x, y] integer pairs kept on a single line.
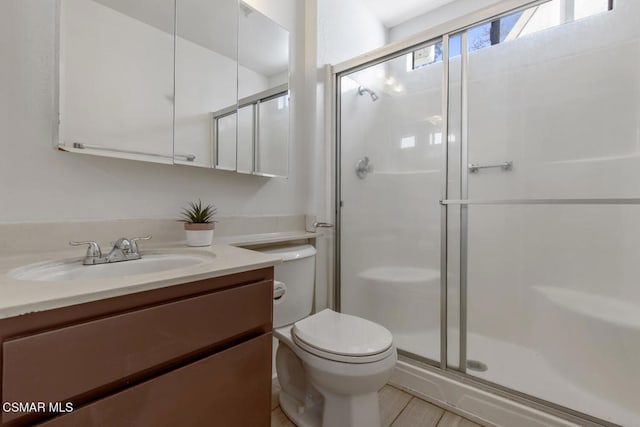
[[520, 369]]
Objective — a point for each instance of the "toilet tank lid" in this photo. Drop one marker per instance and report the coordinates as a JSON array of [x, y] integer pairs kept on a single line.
[[289, 253]]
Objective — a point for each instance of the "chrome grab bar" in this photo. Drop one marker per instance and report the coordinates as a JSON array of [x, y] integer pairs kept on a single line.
[[82, 146], [475, 167]]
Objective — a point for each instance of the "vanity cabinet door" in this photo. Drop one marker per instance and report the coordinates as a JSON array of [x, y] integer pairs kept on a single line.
[[86, 360], [230, 388]]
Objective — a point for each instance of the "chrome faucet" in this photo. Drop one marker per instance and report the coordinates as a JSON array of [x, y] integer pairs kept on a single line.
[[123, 250]]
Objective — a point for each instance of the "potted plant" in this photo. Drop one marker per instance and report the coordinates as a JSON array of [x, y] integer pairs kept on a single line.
[[199, 223]]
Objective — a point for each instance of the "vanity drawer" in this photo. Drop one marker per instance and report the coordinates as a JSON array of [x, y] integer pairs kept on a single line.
[[86, 360], [231, 388]]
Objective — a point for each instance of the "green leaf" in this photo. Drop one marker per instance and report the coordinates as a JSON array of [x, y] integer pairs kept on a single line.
[[196, 213]]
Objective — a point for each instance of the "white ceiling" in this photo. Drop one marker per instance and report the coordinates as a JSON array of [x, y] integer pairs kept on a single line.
[[394, 12]]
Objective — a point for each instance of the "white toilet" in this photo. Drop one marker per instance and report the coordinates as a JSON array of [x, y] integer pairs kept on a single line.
[[330, 365]]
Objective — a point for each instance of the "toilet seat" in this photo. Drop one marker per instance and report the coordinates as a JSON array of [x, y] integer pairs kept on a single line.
[[343, 338]]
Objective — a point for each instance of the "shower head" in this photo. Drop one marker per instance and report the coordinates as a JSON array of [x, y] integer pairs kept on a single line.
[[372, 94]]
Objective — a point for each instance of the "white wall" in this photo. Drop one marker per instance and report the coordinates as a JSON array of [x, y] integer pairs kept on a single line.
[[347, 29], [40, 184]]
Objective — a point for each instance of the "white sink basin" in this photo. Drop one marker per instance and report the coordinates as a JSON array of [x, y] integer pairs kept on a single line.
[[56, 271]]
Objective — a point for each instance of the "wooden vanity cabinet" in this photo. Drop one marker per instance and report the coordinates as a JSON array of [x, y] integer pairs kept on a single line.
[[196, 354]]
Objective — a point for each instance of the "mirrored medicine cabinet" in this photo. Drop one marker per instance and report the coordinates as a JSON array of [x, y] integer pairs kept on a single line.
[[189, 82]]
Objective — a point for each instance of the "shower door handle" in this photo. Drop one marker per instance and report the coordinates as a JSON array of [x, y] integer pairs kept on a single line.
[[475, 167], [322, 225]]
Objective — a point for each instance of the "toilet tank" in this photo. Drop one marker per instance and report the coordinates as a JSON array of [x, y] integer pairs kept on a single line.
[[296, 275]]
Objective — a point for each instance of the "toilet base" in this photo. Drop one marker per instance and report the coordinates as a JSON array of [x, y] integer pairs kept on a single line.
[[301, 415], [337, 411], [318, 392], [361, 410]]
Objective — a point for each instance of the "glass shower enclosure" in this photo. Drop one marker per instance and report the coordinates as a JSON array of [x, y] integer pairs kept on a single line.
[[489, 206]]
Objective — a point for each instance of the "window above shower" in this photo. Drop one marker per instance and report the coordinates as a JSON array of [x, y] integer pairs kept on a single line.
[[511, 27], [532, 20]]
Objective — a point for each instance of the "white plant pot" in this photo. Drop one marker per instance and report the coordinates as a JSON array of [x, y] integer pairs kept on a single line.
[[199, 236]]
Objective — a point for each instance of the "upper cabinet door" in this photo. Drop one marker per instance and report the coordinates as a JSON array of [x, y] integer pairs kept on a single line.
[[116, 78], [164, 81], [206, 79]]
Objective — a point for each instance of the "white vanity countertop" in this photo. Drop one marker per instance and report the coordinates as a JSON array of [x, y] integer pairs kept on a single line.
[[23, 296]]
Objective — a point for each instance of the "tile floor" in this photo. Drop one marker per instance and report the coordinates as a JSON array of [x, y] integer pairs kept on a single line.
[[398, 409]]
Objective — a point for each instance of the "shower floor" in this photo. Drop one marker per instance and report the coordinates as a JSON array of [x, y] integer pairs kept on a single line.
[[521, 369]]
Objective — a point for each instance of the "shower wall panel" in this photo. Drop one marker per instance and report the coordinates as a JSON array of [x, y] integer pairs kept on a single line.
[[554, 306], [563, 105]]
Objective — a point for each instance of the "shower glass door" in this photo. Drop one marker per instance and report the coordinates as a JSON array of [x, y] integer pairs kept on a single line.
[[550, 232], [391, 154]]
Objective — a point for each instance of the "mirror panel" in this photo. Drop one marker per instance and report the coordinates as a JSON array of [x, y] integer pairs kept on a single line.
[[263, 52], [273, 135], [263, 72], [206, 78], [116, 78], [225, 135], [246, 139]]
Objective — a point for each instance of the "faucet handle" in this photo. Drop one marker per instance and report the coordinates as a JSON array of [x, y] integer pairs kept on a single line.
[[134, 243], [123, 244], [92, 251]]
